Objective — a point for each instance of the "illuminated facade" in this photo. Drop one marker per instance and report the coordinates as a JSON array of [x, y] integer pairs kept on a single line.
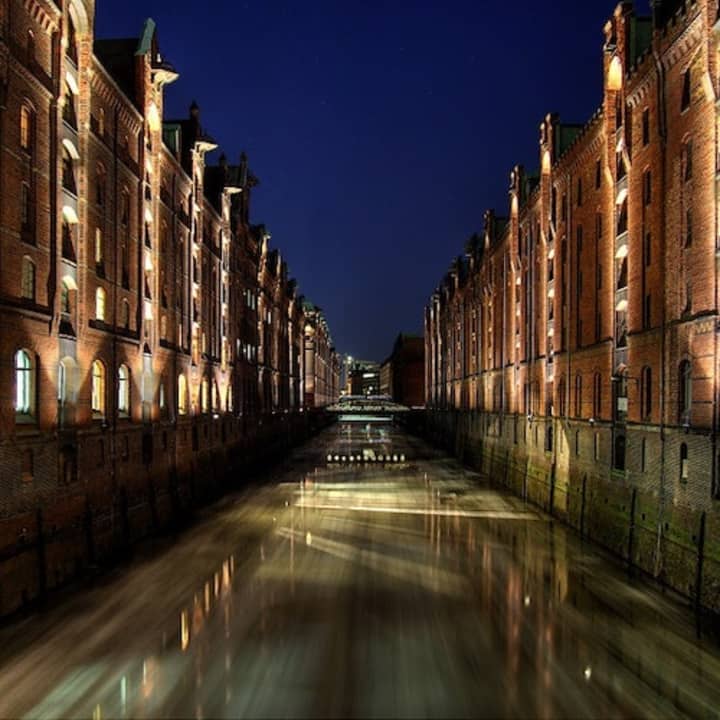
[[149, 334], [573, 349], [321, 362]]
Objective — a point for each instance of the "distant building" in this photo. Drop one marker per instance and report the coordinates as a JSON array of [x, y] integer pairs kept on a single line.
[[402, 375], [322, 364], [364, 377]]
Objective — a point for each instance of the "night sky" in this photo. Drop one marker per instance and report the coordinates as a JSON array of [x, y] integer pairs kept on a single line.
[[380, 131]]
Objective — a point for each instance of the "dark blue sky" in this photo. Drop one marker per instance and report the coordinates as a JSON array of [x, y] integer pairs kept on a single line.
[[380, 131]]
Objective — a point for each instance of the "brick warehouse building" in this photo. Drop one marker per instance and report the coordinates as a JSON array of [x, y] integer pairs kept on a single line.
[[150, 338], [573, 349]]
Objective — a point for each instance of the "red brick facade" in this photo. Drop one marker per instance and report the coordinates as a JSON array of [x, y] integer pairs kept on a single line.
[[151, 342], [402, 375], [573, 348]]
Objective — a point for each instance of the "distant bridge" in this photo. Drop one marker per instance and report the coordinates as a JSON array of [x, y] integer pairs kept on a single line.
[[381, 406]]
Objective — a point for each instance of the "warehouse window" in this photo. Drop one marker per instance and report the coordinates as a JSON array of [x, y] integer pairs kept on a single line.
[[24, 385], [684, 392], [685, 103], [98, 388], [100, 303], [182, 394], [123, 390], [646, 392], [684, 469], [28, 279], [619, 453]]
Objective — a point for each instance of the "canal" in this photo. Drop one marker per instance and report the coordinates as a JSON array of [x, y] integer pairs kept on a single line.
[[370, 575]]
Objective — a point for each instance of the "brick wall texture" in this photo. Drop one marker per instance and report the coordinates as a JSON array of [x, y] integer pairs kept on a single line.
[[572, 349], [152, 345]]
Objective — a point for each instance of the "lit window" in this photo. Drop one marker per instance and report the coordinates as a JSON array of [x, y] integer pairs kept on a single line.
[[100, 301], [98, 388], [28, 279], [23, 383], [25, 128], [65, 299], [99, 249], [182, 395], [205, 396], [684, 465], [123, 390]]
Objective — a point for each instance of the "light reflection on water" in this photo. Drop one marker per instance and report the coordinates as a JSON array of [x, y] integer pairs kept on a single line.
[[371, 591]]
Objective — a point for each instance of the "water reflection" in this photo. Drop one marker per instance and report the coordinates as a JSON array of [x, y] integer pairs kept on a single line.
[[367, 590]]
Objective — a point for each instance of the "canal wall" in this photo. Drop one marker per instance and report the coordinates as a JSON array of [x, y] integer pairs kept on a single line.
[[126, 484], [653, 526]]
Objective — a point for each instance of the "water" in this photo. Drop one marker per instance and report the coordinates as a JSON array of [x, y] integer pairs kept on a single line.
[[364, 589]]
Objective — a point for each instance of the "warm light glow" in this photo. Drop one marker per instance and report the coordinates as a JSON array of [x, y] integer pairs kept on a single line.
[[153, 118], [69, 145], [546, 162], [70, 215], [615, 74]]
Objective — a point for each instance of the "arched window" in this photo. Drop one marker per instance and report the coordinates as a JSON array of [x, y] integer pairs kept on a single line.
[[646, 392], [182, 394], [684, 391], [98, 388], [100, 301], [162, 401], [561, 397], [230, 401], [123, 399], [24, 385], [101, 122], [30, 47], [28, 279], [684, 469]]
